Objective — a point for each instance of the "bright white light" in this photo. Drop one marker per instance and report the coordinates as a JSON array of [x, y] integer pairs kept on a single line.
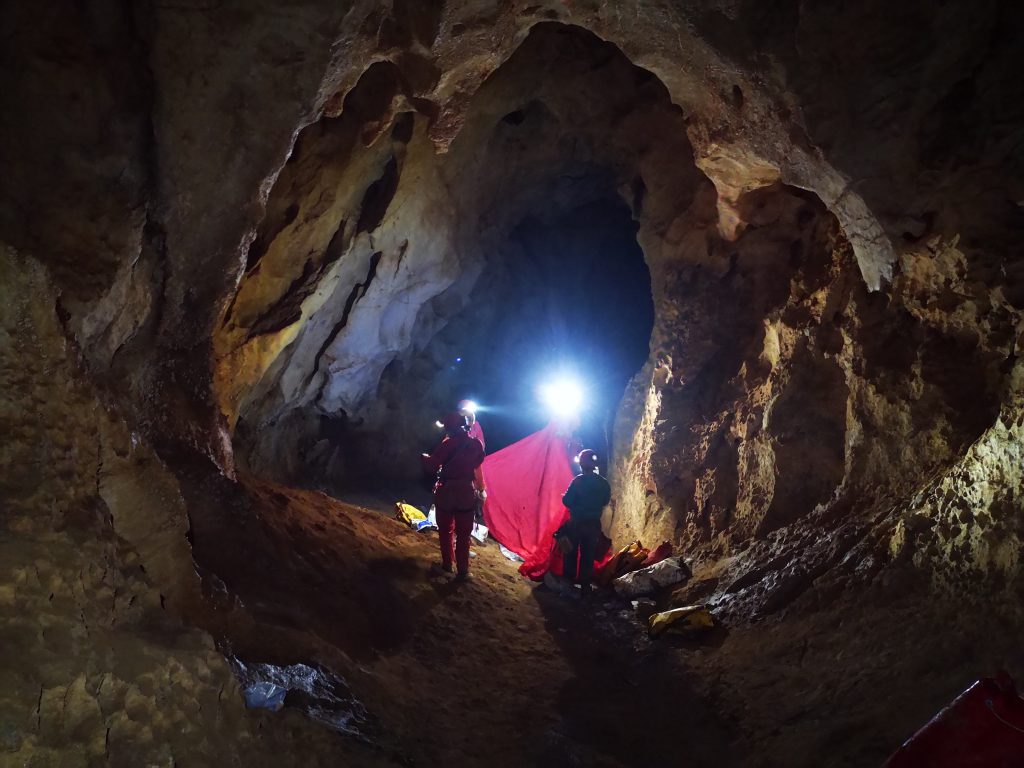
[[563, 397], [439, 425], [470, 406]]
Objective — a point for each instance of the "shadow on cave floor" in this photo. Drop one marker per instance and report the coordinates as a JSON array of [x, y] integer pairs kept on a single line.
[[495, 672], [628, 699]]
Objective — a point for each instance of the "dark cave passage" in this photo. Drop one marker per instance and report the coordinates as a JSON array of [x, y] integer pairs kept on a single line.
[[568, 292], [511, 259]]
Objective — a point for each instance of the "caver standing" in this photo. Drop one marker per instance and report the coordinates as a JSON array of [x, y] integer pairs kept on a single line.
[[468, 409], [455, 462], [586, 499]]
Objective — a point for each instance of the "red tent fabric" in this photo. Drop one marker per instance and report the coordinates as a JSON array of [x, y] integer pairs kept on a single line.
[[525, 483], [982, 728]]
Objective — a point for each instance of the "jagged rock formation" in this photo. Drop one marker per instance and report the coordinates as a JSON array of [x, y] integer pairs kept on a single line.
[[96, 576], [237, 233]]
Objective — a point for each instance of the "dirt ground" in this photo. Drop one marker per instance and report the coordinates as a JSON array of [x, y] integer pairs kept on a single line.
[[502, 672]]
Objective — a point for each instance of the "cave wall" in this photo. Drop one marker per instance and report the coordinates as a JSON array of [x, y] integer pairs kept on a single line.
[[789, 388], [224, 210], [828, 405], [764, 94], [534, 143], [98, 592]]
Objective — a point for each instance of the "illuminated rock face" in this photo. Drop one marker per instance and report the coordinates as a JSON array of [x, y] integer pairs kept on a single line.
[[231, 234], [96, 575], [566, 123]]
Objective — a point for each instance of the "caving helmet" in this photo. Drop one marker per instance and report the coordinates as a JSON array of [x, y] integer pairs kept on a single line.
[[454, 421], [468, 409], [587, 460]]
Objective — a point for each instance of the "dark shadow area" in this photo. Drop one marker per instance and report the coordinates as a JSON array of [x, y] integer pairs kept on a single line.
[[629, 700], [291, 564]]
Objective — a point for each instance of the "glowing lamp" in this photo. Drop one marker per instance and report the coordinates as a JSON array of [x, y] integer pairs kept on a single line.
[[439, 425], [563, 397], [469, 406]]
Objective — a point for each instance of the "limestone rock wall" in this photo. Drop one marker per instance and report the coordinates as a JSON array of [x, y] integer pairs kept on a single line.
[[829, 409], [533, 145], [80, 470], [97, 579], [964, 528], [196, 149], [815, 421]]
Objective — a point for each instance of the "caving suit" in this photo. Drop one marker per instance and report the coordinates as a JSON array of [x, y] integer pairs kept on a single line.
[[477, 433], [457, 458], [586, 498]]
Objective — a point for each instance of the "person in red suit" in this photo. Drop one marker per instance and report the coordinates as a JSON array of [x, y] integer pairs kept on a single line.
[[455, 462], [468, 409]]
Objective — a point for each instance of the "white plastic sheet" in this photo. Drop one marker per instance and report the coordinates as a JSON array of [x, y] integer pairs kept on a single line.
[[649, 580], [510, 554], [479, 532]]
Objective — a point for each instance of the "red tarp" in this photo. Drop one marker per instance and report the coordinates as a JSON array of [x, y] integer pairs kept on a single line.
[[525, 483], [982, 728]]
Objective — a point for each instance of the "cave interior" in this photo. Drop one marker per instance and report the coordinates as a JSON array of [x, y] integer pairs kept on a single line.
[[250, 254]]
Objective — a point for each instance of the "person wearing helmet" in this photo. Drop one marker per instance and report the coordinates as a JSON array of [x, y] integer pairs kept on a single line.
[[455, 462], [586, 499], [468, 409]]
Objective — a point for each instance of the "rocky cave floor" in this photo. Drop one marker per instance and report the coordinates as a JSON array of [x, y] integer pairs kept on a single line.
[[502, 672]]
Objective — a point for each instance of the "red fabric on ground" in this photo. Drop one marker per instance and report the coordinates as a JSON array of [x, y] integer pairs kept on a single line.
[[663, 552], [545, 556], [982, 728], [525, 484]]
